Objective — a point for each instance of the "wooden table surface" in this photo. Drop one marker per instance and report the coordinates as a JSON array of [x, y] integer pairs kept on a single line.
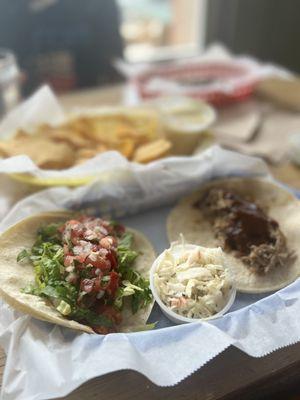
[[232, 374]]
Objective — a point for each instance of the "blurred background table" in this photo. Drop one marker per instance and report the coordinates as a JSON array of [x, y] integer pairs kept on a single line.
[[231, 375]]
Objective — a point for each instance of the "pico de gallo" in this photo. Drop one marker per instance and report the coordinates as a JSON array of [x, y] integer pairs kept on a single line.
[[84, 267]]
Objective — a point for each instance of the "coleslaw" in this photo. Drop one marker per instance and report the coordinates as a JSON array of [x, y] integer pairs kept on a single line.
[[193, 281]]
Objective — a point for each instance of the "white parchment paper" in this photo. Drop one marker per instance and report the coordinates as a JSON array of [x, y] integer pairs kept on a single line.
[[45, 361]]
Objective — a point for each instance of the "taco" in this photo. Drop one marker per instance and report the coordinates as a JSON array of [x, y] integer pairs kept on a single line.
[[81, 272], [253, 220]]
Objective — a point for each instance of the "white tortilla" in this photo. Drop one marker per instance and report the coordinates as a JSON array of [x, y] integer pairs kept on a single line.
[[276, 201], [14, 276]]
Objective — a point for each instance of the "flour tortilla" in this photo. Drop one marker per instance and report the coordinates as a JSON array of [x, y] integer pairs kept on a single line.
[[276, 201], [14, 276]]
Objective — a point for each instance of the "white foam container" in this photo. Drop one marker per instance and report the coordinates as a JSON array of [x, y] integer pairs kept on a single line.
[[171, 315]]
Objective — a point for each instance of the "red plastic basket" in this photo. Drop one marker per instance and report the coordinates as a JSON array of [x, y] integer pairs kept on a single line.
[[241, 77]]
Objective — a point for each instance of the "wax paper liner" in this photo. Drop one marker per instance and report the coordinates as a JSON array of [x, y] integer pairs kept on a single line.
[[45, 361]]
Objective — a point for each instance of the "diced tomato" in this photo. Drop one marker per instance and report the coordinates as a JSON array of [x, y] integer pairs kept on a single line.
[[81, 258], [112, 257], [91, 285], [108, 242], [97, 286], [72, 222], [113, 284], [94, 244], [100, 263], [76, 234], [87, 285]]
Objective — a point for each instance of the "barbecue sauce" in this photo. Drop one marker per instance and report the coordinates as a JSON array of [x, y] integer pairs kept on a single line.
[[246, 223]]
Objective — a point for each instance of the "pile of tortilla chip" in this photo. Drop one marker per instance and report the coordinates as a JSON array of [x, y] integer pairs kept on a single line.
[[136, 135]]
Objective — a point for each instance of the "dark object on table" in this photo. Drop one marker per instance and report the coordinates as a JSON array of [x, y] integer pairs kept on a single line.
[[62, 42]]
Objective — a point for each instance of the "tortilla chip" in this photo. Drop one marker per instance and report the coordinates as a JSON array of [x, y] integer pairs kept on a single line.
[[126, 147], [279, 204], [83, 137], [146, 123], [90, 152], [112, 128], [67, 135], [21, 134], [79, 124], [103, 129], [43, 151], [152, 151], [14, 276]]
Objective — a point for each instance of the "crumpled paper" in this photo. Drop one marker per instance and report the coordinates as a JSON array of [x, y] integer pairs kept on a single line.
[[45, 361]]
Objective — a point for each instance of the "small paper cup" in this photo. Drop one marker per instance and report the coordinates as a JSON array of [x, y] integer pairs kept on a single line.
[[173, 316]]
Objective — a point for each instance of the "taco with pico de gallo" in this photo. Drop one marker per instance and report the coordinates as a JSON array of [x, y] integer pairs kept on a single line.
[[81, 272]]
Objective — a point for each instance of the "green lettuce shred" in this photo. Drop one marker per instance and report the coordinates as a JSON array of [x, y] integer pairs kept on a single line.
[[47, 258], [126, 256]]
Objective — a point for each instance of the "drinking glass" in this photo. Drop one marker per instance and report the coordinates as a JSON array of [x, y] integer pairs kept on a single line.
[[9, 81]]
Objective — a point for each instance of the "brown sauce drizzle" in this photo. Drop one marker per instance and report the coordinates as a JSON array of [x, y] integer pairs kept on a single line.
[[247, 224]]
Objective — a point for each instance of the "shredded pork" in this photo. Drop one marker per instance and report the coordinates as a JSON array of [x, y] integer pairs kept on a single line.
[[246, 230]]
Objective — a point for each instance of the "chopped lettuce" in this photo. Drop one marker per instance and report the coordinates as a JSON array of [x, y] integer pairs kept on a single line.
[[146, 327], [138, 290], [47, 258], [93, 319]]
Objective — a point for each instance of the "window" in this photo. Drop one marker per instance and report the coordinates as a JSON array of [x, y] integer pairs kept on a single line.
[[162, 29]]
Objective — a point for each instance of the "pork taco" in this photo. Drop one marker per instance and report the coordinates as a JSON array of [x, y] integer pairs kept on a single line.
[[253, 220], [81, 272]]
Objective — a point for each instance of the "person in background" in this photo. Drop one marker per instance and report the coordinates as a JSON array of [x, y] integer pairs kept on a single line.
[[66, 43]]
